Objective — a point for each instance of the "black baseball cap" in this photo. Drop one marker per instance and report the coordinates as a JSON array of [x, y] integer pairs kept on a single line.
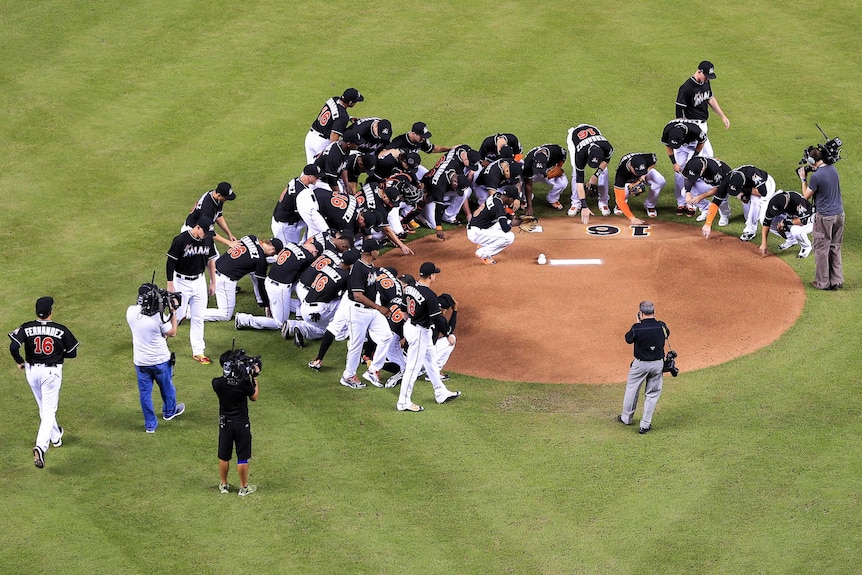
[[676, 135], [369, 245], [350, 257], [512, 192], [408, 279], [44, 305], [392, 193], [352, 95], [225, 190], [412, 160], [312, 170], [595, 155], [384, 129], [507, 152], [707, 68], [421, 129], [277, 244], [694, 167], [427, 269], [445, 300], [205, 222], [370, 218], [351, 137], [369, 161]]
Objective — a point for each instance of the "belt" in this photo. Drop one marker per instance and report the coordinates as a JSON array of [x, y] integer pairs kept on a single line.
[[318, 133], [272, 281], [359, 305], [419, 324], [45, 364], [189, 278]]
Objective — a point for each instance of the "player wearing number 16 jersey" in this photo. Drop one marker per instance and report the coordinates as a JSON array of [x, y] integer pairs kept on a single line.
[[330, 123], [46, 345]]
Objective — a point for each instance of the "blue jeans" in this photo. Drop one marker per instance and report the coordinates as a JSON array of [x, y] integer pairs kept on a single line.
[[162, 376]]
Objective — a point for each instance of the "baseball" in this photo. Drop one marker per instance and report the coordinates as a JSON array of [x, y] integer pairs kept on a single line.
[[542, 259]]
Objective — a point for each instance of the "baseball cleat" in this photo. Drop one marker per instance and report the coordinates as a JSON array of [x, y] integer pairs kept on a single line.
[[452, 395], [373, 378], [746, 236], [620, 420], [681, 211], [702, 216], [38, 457], [413, 407], [723, 220], [606, 211], [573, 211], [651, 212], [617, 211], [788, 244], [202, 359], [646, 429], [352, 382], [557, 206], [488, 261], [690, 211], [59, 441], [298, 338], [803, 253], [394, 380], [443, 377], [315, 364]]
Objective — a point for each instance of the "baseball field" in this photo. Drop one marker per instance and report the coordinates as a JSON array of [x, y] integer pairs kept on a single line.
[[117, 116]]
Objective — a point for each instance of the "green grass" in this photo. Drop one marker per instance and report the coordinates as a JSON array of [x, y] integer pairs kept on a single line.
[[117, 116]]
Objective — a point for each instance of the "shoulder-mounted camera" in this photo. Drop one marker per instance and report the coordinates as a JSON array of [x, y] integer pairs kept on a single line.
[[154, 300], [238, 367], [829, 152]]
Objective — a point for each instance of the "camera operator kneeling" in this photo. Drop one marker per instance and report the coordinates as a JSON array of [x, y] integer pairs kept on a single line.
[[234, 389], [648, 336]]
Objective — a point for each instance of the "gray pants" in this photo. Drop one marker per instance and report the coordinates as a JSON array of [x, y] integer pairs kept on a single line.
[[640, 371]]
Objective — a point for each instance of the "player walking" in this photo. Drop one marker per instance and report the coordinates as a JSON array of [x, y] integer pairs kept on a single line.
[[423, 310], [694, 99], [46, 345], [191, 254]]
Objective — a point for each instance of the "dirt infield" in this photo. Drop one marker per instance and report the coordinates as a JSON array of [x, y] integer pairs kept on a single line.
[[519, 321]]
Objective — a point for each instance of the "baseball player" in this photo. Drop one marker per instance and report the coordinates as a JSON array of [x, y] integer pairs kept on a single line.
[[490, 148], [491, 225], [46, 345], [588, 147], [423, 311], [501, 172], [248, 256], [383, 201], [287, 223], [332, 161], [754, 187], [694, 99], [365, 316], [446, 187], [152, 358], [191, 254], [358, 165], [374, 134], [633, 171], [444, 345], [796, 222], [322, 300], [683, 139], [331, 123], [701, 180], [211, 205], [417, 139], [544, 164]]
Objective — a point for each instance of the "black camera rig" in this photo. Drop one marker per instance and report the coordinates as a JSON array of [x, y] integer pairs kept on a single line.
[[830, 151]]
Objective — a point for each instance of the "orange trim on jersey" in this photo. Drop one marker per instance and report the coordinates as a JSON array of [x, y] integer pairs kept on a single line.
[[622, 204]]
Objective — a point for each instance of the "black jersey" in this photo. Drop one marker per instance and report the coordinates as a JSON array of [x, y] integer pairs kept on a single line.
[[489, 149], [368, 141], [44, 342], [319, 242], [438, 181], [362, 279], [540, 158], [632, 167], [332, 161], [590, 147], [285, 208], [388, 286], [233, 398], [500, 173], [422, 305], [790, 203], [188, 255], [289, 263], [404, 144], [208, 206], [333, 117], [328, 258], [751, 178], [690, 130], [711, 170], [339, 210], [244, 258], [327, 284], [692, 100], [397, 316], [489, 213]]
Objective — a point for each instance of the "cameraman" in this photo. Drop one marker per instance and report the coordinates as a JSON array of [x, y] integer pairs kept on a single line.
[[234, 389], [152, 358], [648, 336], [824, 186]]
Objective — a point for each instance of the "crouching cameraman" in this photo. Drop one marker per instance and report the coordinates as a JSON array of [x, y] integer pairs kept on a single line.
[[648, 336], [234, 389], [152, 320]]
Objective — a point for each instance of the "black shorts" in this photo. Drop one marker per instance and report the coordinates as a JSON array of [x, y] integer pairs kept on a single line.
[[234, 433]]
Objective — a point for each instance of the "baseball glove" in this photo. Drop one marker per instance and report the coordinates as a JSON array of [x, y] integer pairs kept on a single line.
[[554, 171], [592, 191], [527, 223], [637, 188]]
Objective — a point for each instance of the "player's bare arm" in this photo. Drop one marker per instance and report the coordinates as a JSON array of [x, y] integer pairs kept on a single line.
[[713, 103]]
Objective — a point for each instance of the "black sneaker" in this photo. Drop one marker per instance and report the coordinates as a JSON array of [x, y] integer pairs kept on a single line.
[[643, 430], [298, 338], [59, 441], [38, 457]]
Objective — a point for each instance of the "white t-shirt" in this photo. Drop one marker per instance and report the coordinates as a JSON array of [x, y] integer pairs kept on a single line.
[[148, 340]]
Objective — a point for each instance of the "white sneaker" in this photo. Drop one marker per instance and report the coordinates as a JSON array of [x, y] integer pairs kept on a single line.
[[573, 211], [804, 252], [788, 244], [702, 216], [606, 211], [372, 377], [723, 220]]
